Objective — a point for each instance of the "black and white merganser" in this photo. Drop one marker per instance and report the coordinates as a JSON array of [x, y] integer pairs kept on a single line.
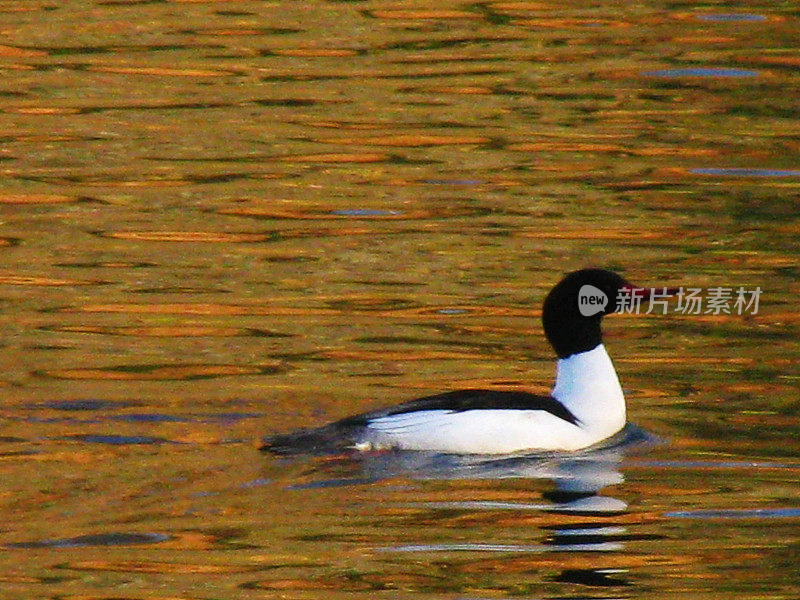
[[585, 407]]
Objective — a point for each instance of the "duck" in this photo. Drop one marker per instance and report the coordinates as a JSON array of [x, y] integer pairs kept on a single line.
[[585, 407]]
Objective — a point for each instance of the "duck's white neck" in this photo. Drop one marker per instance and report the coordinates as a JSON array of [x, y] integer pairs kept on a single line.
[[587, 384]]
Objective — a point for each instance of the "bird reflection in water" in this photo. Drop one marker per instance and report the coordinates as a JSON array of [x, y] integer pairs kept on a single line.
[[591, 519]]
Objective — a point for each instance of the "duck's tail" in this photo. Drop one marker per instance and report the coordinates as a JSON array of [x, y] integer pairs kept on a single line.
[[331, 439]]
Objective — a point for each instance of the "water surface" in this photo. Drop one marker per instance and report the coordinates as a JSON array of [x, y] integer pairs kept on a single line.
[[223, 219]]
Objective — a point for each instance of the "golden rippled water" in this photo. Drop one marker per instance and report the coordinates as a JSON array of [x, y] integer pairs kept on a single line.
[[225, 219]]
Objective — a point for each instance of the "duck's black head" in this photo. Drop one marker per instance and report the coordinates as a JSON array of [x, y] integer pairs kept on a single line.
[[574, 308]]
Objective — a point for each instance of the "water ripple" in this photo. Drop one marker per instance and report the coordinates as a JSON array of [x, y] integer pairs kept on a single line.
[[515, 548], [119, 440], [744, 172], [732, 17], [702, 72], [753, 513], [100, 539]]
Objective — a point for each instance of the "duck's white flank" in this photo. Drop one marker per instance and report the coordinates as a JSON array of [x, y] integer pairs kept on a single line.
[[586, 384]]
